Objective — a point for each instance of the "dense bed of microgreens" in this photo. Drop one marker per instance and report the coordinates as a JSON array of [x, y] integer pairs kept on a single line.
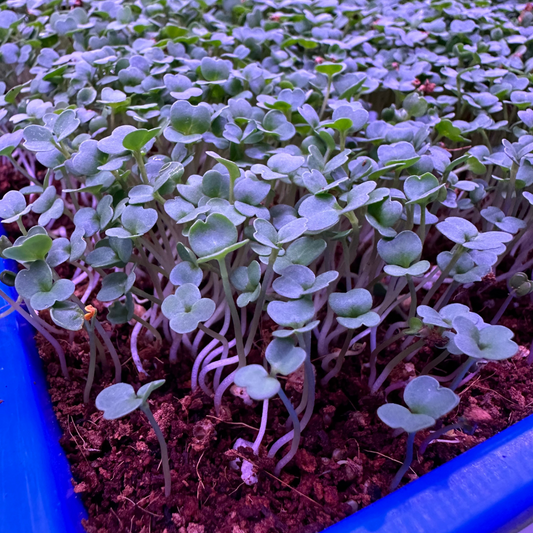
[[298, 161]]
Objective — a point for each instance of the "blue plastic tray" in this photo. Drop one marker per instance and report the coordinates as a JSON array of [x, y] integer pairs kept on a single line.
[[488, 489], [36, 493]]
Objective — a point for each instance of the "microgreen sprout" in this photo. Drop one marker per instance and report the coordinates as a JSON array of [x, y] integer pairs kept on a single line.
[[120, 399], [426, 402]]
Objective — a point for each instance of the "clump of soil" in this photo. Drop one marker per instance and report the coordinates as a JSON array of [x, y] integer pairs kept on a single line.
[[346, 461]]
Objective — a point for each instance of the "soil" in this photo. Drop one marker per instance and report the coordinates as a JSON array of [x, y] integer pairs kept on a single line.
[[347, 457], [346, 460]]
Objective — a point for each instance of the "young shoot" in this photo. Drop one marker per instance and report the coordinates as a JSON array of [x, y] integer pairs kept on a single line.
[[120, 399], [284, 358], [426, 402]]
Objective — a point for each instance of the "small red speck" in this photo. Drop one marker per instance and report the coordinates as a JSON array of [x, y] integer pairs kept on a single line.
[[427, 87]]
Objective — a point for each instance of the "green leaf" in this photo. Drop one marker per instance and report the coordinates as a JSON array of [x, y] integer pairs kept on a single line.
[[136, 140], [402, 251], [38, 139], [117, 401], [12, 94], [353, 308], [399, 417], [329, 69], [172, 31], [147, 389], [120, 313], [258, 383], [13, 206], [448, 130], [214, 237], [292, 314], [36, 284], [9, 142], [115, 285], [422, 189], [233, 169], [186, 308], [136, 221], [66, 124], [34, 248], [284, 357], [491, 342], [67, 315], [424, 395]]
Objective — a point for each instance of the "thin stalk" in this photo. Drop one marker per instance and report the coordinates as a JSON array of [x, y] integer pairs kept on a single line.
[[261, 301], [354, 243], [410, 212], [456, 255], [134, 351], [7, 312], [162, 444], [422, 226], [446, 295], [21, 227], [296, 433], [142, 169], [217, 365], [377, 351], [407, 462], [34, 321], [234, 313], [486, 139], [72, 195], [435, 362], [412, 292], [398, 359], [103, 333], [340, 359], [145, 295], [92, 363], [342, 140], [463, 369], [221, 389], [394, 290], [435, 435], [215, 335], [326, 98], [149, 327], [150, 271], [175, 346], [111, 350], [346, 263], [502, 309], [262, 428], [157, 251], [201, 357], [510, 189], [23, 172], [323, 335]]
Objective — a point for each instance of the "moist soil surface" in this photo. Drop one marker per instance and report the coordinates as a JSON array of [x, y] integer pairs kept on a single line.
[[346, 460]]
